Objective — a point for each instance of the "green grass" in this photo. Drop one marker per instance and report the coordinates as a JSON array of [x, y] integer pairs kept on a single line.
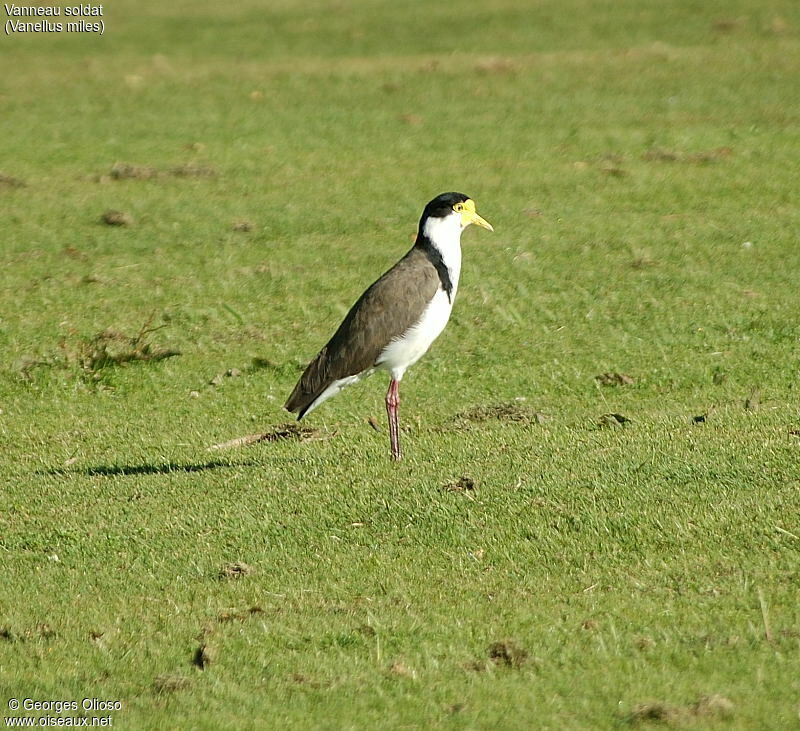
[[639, 163]]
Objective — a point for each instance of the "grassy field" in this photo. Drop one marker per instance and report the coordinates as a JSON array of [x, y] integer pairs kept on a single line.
[[533, 562]]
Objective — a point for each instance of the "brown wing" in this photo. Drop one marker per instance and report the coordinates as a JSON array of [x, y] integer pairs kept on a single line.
[[386, 310]]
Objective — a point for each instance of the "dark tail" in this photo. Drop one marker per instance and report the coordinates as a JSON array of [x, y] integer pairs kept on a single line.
[[311, 384]]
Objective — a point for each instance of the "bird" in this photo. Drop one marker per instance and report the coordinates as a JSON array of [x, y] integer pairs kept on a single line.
[[395, 321]]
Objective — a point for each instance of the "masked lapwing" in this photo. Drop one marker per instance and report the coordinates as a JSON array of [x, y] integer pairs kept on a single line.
[[394, 322]]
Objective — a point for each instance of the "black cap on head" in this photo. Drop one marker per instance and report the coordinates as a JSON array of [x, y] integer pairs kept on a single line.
[[442, 205]]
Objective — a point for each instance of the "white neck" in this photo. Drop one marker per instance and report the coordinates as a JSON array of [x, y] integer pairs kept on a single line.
[[445, 235]]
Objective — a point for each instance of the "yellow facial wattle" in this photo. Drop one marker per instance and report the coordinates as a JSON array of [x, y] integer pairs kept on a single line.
[[469, 215]]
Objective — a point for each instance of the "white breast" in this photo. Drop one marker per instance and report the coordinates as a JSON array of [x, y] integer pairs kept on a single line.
[[406, 350]]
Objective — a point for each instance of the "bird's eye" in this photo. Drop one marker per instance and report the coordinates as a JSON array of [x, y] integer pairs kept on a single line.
[[458, 207]]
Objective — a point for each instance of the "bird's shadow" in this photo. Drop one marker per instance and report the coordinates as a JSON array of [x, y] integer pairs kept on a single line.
[[163, 468]]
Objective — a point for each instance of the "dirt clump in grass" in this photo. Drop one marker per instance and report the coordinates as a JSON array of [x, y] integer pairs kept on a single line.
[[126, 171], [704, 417], [169, 683], [511, 411], [220, 377], [112, 348], [25, 366], [9, 181], [727, 25], [477, 666], [72, 253], [713, 705], [507, 653], [91, 355], [191, 170], [705, 157], [258, 363], [706, 708], [612, 421], [462, 484], [614, 379], [616, 171], [116, 218], [204, 656], [657, 712], [39, 631], [236, 570], [752, 402]]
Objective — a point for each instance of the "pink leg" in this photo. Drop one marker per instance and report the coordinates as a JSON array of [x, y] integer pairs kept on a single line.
[[392, 402]]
